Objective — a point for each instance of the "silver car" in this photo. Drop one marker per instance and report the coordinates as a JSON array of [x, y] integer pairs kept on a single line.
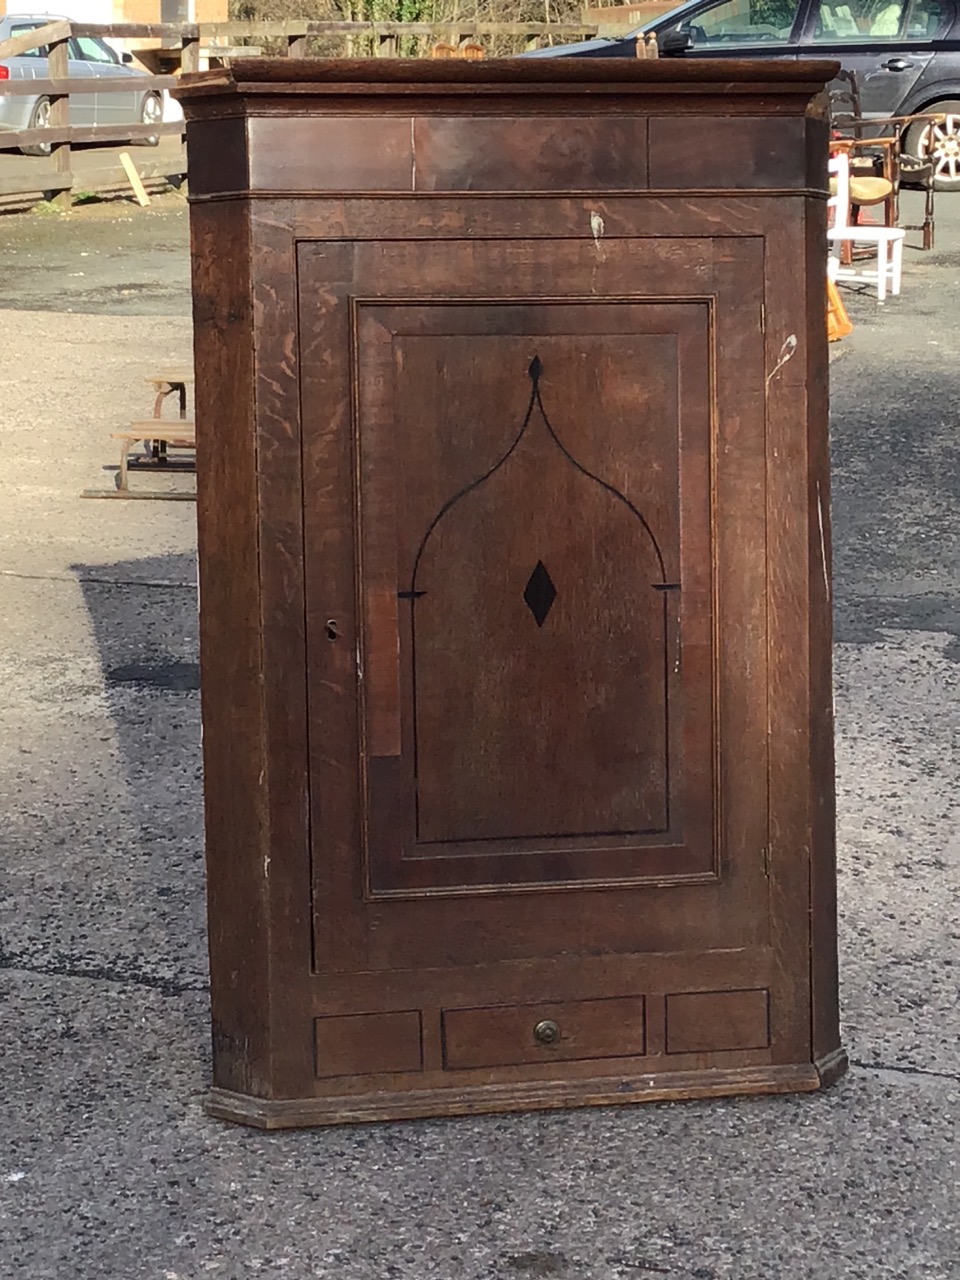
[[87, 57]]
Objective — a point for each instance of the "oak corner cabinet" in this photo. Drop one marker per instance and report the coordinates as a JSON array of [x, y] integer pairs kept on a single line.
[[515, 589]]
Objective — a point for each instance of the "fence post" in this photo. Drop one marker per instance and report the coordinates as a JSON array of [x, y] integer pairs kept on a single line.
[[189, 52], [297, 46], [60, 119]]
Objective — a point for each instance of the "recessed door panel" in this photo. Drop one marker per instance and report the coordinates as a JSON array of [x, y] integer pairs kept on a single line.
[[518, 483]]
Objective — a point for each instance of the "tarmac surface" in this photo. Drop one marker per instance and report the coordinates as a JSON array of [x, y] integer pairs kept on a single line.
[[109, 1169]]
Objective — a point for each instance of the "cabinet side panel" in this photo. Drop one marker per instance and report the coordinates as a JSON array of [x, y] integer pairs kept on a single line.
[[823, 869], [230, 646], [280, 503], [801, 754]]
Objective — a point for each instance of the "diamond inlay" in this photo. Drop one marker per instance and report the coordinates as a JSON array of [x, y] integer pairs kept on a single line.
[[539, 593]]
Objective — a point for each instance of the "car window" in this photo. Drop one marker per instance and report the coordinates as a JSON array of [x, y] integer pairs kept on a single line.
[[42, 52], [927, 19], [894, 20], [89, 49], [742, 22]]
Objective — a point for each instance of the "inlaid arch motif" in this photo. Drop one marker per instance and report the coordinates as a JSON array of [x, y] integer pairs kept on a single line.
[[539, 593]]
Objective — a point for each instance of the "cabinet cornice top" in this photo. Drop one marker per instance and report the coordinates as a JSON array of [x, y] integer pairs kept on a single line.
[[756, 86]]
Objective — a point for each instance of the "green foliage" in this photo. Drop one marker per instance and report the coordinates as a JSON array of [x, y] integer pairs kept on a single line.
[[775, 13], [437, 11], [392, 11]]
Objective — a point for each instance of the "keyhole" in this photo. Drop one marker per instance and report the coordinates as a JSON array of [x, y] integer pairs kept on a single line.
[[333, 629]]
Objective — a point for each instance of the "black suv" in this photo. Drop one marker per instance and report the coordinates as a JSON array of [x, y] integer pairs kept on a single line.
[[905, 53]]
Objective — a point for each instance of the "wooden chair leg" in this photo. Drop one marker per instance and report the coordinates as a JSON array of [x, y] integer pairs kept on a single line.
[[123, 476], [846, 246], [928, 223]]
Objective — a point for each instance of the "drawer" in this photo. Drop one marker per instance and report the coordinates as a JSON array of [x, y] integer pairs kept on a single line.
[[513, 1035]]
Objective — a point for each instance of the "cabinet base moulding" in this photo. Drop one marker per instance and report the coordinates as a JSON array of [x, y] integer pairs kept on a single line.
[[605, 1091], [832, 1066]]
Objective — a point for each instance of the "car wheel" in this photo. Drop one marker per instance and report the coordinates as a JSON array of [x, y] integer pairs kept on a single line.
[[39, 119], [939, 144], [151, 113]]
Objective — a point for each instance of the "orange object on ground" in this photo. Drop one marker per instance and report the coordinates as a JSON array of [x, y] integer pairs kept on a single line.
[[838, 322]]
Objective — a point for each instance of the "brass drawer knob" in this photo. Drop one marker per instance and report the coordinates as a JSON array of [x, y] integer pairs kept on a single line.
[[546, 1032]]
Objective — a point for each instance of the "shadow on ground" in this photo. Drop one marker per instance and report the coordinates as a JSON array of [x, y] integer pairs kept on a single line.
[[107, 881]]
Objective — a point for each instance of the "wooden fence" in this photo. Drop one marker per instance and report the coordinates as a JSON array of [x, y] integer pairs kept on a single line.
[[187, 47]]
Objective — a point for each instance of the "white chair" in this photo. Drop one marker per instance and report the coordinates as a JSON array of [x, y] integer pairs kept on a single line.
[[888, 240]]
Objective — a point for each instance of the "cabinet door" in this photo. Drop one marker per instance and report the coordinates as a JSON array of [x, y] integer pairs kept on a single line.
[[535, 567]]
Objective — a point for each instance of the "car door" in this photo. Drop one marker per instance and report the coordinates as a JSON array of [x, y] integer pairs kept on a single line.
[[732, 28], [101, 62], [887, 44], [34, 65]]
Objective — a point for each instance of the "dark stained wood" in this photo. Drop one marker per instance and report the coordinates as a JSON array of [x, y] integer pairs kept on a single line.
[[334, 154], [505, 88], [515, 547], [801, 79], [411, 218], [723, 152], [218, 156], [368, 1044], [597, 766], [619, 1089], [718, 1021], [230, 649], [823, 887], [283, 675], [799, 620], [522, 154]]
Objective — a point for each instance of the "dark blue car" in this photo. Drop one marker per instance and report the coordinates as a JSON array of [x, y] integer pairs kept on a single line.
[[905, 53]]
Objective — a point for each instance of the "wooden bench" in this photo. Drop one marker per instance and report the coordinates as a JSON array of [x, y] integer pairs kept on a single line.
[[176, 435], [170, 381], [159, 435]]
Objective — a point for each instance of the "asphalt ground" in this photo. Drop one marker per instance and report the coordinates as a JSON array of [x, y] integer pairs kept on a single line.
[[109, 1169], [102, 258]]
